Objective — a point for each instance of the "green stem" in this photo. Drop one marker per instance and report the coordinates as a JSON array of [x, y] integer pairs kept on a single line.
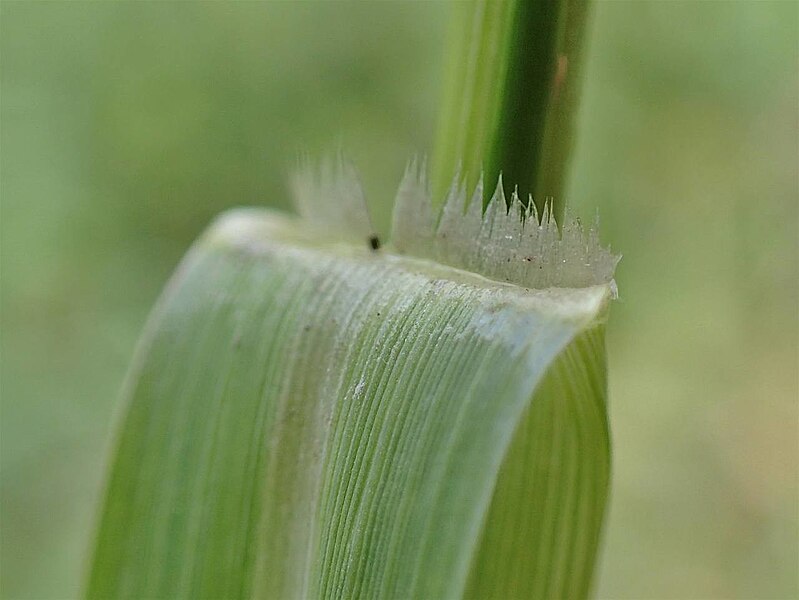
[[512, 96]]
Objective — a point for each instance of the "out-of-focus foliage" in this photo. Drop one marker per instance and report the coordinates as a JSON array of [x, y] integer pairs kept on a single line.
[[126, 126], [689, 145]]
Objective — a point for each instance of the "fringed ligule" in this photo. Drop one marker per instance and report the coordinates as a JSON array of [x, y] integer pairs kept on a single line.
[[413, 230], [508, 241], [331, 197]]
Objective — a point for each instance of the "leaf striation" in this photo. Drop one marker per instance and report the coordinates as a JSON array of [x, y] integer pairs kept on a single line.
[[309, 418]]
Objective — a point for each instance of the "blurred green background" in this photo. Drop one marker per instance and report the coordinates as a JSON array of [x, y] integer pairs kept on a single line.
[[124, 127]]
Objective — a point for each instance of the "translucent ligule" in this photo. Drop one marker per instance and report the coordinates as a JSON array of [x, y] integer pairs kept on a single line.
[[415, 228], [331, 197], [507, 242]]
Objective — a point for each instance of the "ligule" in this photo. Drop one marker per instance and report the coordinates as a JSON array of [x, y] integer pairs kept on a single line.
[[507, 241]]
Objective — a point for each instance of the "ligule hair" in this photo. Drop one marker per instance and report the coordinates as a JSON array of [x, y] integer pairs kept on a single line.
[[507, 240]]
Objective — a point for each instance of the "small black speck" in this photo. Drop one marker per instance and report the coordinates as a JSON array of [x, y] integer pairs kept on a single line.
[[374, 242], [378, 313]]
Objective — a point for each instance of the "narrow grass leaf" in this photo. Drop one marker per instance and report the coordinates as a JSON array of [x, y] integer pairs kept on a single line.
[[311, 418]]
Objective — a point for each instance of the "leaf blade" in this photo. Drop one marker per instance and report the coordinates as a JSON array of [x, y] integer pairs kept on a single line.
[[319, 420]]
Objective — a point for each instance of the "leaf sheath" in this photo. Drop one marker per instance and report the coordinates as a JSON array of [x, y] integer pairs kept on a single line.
[[312, 420]]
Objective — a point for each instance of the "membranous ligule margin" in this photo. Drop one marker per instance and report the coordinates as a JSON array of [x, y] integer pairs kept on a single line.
[[507, 240]]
